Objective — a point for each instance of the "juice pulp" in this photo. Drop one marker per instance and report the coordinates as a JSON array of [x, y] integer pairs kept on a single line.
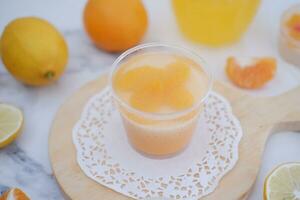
[[214, 22], [160, 83]]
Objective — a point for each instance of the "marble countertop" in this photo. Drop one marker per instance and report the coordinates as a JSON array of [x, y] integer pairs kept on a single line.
[[25, 163]]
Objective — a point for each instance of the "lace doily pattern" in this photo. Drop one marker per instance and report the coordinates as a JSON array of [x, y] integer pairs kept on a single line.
[[199, 179]]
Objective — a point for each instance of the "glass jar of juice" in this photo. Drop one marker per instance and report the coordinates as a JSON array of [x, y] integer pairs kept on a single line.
[[214, 22], [159, 91], [289, 38]]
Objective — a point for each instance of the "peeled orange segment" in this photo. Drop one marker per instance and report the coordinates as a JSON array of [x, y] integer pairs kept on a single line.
[[14, 194], [293, 25], [147, 100], [11, 120], [180, 98], [253, 76], [137, 78], [283, 183], [176, 74]]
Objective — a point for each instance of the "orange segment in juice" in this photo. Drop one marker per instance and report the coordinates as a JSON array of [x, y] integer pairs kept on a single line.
[[180, 98], [145, 102], [155, 91], [158, 88], [136, 78], [293, 25], [176, 73], [149, 97]]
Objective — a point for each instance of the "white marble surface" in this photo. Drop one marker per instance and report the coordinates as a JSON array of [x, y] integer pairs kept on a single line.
[[25, 163]]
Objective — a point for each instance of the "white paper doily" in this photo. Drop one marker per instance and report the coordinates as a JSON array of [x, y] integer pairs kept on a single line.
[[104, 154]]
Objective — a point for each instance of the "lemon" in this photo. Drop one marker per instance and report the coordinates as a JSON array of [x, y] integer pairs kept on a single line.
[[11, 120], [283, 183], [33, 51]]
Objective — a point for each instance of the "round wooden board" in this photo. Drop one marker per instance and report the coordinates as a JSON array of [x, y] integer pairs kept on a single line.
[[258, 117]]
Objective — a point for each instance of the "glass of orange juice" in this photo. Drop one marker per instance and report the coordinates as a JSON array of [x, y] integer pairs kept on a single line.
[[289, 38], [214, 22], [160, 91]]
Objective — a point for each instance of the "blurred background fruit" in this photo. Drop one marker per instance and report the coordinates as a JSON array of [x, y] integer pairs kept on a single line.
[[115, 25], [214, 23], [33, 51], [11, 121], [14, 194]]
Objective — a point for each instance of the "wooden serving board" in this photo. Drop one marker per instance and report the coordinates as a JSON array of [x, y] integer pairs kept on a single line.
[[259, 118]]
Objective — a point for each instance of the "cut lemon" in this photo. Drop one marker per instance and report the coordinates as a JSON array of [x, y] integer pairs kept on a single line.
[[283, 183], [11, 120]]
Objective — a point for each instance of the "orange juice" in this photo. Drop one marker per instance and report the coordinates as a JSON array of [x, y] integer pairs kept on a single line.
[[289, 38], [159, 91], [214, 22]]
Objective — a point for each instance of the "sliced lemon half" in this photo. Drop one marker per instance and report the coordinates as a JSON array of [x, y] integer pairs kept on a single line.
[[11, 120], [283, 183]]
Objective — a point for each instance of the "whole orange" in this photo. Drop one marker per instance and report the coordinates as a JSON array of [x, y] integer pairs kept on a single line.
[[115, 25]]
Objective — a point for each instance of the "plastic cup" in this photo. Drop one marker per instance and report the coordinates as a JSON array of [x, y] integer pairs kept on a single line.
[[159, 134]]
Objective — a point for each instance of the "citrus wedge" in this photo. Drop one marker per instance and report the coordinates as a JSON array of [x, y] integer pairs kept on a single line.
[[11, 120], [283, 183], [253, 75], [14, 194]]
